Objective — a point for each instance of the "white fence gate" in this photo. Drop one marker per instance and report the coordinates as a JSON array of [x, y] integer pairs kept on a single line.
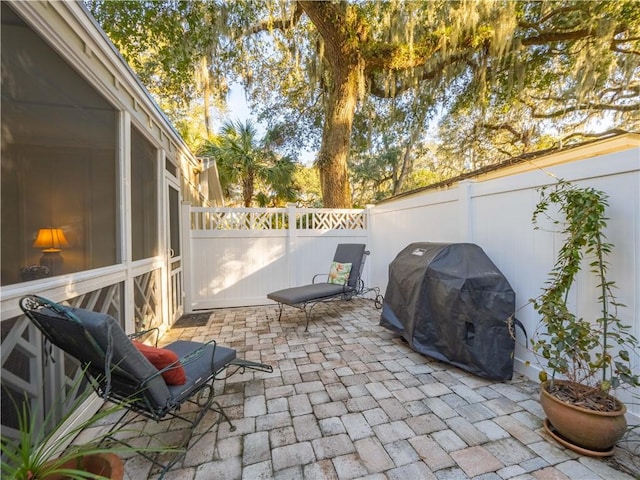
[[241, 254]]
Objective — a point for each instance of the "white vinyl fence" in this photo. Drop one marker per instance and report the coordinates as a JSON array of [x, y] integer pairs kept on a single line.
[[495, 212], [239, 255]]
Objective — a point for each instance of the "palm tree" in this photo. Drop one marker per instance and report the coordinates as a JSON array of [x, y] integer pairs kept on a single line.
[[244, 161]]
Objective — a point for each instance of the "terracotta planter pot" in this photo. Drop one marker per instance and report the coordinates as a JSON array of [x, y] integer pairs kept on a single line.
[[588, 429], [108, 465]]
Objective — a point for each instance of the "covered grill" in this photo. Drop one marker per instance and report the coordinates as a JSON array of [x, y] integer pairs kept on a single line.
[[450, 302]]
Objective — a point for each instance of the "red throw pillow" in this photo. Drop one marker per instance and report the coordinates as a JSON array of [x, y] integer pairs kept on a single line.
[[161, 358]]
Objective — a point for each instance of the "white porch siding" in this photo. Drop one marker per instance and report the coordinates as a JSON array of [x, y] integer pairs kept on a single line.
[[136, 292]]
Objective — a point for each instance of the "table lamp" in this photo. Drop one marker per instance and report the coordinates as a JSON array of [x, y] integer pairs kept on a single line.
[[51, 240]]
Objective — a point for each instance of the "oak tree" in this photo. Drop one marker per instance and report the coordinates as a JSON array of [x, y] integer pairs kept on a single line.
[[504, 76]]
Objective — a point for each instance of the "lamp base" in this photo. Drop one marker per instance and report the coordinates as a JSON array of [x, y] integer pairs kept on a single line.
[[52, 259]]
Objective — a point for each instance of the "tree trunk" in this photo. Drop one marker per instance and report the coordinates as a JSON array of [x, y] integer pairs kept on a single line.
[[207, 97], [247, 189], [336, 139], [347, 71], [407, 164]]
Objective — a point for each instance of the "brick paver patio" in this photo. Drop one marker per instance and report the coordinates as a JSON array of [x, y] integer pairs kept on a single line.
[[348, 399]]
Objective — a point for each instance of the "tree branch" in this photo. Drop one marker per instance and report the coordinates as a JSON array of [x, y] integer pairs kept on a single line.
[[568, 9], [586, 106], [428, 74], [337, 29], [504, 126], [552, 37], [616, 48], [632, 88], [505, 152], [283, 24], [613, 131]]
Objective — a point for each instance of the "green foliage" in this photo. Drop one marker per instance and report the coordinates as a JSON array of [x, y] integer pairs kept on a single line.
[[307, 182], [249, 167], [390, 153], [164, 41], [42, 449], [421, 178], [505, 78], [596, 352]]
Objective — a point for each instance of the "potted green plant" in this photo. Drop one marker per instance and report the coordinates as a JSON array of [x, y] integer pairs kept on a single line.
[[44, 451], [584, 359]]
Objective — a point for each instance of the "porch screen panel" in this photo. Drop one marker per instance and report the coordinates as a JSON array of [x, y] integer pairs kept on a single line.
[[58, 161], [144, 197]]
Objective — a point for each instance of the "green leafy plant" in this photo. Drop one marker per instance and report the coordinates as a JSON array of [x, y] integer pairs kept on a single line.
[[598, 353], [40, 452]]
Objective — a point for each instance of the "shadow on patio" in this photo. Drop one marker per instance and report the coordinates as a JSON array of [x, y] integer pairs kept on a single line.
[[349, 399]]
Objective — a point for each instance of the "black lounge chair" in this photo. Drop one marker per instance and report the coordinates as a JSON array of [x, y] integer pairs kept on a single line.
[[308, 296], [120, 373]]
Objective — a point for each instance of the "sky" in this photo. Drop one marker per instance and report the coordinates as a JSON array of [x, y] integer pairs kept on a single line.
[[239, 110]]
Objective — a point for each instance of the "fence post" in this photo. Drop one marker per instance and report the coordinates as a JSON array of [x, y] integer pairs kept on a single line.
[[187, 263], [291, 243], [369, 239]]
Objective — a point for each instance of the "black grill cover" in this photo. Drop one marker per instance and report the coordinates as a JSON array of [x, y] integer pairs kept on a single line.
[[450, 302]]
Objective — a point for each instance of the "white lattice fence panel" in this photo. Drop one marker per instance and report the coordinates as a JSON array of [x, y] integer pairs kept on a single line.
[[331, 220], [238, 219], [239, 255], [234, 219], [267, 220], [21, 368], [106, 300]]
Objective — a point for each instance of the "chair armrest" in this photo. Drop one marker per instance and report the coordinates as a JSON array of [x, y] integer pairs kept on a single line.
[[345, 286], [136, 335], [198, 352], [313, 280]]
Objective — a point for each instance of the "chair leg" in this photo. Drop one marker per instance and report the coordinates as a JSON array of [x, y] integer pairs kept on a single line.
[[204, 400], [192, 438], [280, 306], [211, 404], [307, 312], [216, 407], [152, 454]]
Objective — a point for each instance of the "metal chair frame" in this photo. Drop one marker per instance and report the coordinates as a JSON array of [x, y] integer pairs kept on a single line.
[[107, 363], [354, 287]]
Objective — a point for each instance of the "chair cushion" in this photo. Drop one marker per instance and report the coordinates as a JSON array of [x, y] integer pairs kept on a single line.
[[305, 293], [353, 253], [339, 273], [163, 358], [126, 359], [199, 368]]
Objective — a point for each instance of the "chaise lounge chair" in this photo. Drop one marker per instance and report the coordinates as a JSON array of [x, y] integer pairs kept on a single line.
[[119, 371], [344, 281]]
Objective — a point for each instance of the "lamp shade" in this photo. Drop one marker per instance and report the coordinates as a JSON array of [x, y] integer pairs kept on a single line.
[[50, 239]]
